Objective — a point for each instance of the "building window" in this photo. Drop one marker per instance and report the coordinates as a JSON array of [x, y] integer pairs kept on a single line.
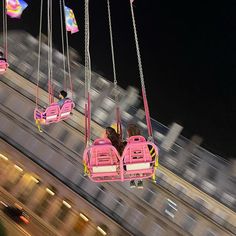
[[180, 189], [79, 148], [80, 226], [78, 86], [94, 95], [45, 201], [13, 178], [102, 230], [211, 173], [61, 214], [200, 204], [25, 68], [193, 162], [126, 116], [100, 115], [11, 58], [135, 217], [156, 230], [108, 104], [116, 94], [142, 125], [64, 135], [170, 208], [81, 102], [100, 84], [149, 195], [189, 223], [29, 190], [210, 232]]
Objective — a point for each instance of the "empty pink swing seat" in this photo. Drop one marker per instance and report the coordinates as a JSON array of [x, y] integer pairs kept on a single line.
[[3, 66], [103, 162], [137, 160], [54, 113]]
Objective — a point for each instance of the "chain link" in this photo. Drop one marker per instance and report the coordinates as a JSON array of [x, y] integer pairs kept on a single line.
[[39, 51], [63, 44], [137, 48], [112, 47]]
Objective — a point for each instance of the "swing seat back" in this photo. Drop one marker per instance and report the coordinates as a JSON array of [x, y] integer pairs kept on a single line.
[[66, 109], [52, 113], [103, 161], [137, 160], [3, 66]]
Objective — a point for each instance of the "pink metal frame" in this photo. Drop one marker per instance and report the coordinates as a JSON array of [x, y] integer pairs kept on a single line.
[[54, 113], [3, 66], [106, 165]]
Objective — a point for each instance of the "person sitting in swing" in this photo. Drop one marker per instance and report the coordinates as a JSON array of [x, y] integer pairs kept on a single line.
[[61, 101], [112, 135], [62, 98], [133, 130]]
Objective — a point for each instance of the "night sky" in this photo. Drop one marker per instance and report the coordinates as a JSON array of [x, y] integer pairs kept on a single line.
[[189, 59]]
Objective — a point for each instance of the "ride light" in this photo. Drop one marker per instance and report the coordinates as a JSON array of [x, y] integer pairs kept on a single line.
[[18, 206], [66, 204], [83, 217], [25, 220], [18, 168], [101, 230], [34, 179], [50, 191], [3, 157]]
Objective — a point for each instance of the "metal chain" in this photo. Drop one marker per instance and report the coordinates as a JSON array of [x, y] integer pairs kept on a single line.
[[51, 58], [39, 51], [3, 25], [87, 75], [4, 20], [48, 21], [6, 43], [63, 45], [87, 53], [68, 53], [146, 108], [112, 47], [50, 65], [137, 48]]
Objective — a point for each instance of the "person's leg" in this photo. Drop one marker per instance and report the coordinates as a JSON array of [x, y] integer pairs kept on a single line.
[[132, 184], [37, 122], [140, 184]]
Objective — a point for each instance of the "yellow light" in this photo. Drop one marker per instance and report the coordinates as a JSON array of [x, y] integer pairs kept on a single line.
[[101, 230], [3, 157], [18, 168], [34, 179], [66, 204], [83, 217], [50, 191], [18, 206]]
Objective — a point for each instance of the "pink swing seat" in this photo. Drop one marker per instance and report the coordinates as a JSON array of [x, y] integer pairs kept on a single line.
[[103, 162], [50, 115], [3, 66], [137, 160], [54, 113], [66, 109]]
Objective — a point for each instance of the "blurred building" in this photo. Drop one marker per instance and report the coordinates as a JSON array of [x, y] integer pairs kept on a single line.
[[173, 204]]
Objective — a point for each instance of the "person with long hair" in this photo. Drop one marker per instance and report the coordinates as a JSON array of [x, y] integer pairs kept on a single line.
[[112, 135]]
